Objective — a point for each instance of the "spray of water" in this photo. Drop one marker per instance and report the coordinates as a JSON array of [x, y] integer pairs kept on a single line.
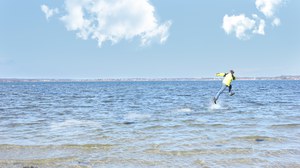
[[213, 106]]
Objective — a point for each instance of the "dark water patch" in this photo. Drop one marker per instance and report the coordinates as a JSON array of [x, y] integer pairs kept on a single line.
[[281, 102], [285, 126], [155, 127], [197, 152], [218, 125], [184, 95], [49, 148], [129, 122], [159, 98], [257, 138], [109, 97], [24, 108], [257, 103], [30, 167], [108, 101], [208, 125], [89, 101], [23, 124], [73, 106], [82, 97], [86, 146], [197, 125], [134, 106]]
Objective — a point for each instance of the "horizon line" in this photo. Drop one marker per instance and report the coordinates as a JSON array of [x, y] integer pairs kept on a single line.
[[282, 77]]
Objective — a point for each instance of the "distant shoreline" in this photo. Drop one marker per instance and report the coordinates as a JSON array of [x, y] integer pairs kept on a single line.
[[8, 80]]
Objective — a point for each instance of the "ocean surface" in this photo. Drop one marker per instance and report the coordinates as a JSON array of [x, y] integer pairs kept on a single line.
[[149, 124]]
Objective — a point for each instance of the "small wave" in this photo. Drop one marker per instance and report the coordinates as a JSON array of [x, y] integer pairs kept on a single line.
[[286, 126], [135, 116], [107, 101], [197, 152], [184, 110], [280, 152], [184, 95], [155, 127], [72, 106], [259, 138], [74, 123], [87, 146], [114, 161], [56, 147], [240, 161], [32, 163]]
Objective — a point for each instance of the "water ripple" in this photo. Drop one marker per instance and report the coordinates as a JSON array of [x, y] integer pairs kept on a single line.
[[149, 124]]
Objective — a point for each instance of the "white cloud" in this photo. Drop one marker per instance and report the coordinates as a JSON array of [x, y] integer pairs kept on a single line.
[[49, 12], [243, 26], [261, 24], [261, 28], [276, 22], [267, 7], [114, 20], [239, 25]]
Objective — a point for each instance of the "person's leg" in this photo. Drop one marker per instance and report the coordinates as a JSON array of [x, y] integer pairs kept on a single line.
[[220, 91], [230, 91]]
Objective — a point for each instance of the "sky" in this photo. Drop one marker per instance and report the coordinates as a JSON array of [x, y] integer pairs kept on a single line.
[[92, 39]]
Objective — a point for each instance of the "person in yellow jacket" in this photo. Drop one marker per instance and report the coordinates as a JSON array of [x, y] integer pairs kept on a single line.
[[228, 78]]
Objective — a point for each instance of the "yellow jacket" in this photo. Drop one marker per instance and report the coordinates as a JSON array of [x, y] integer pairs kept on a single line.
[[228, 77]]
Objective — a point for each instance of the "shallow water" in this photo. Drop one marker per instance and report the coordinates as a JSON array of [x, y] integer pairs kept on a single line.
[[149, 124]]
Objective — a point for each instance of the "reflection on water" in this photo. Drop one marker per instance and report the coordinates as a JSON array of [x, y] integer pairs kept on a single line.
[[149, 124]]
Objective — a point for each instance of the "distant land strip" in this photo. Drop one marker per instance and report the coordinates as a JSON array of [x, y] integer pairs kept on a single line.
[[144, 79]]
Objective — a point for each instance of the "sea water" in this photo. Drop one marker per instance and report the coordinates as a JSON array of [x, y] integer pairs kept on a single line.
[[149, 124]]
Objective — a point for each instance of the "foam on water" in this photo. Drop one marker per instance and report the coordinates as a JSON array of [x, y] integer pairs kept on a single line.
[[136, 116], [184, 110]]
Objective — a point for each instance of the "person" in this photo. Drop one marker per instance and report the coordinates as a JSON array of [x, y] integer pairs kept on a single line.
[[228, 77]]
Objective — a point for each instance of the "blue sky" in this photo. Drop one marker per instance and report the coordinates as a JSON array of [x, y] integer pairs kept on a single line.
[[151, 39]]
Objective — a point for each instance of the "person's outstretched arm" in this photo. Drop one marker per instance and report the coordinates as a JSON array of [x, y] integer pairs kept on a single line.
[[221, 74]]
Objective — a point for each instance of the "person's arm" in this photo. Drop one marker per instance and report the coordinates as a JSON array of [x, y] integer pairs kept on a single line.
[[221, 74], [233, 77]]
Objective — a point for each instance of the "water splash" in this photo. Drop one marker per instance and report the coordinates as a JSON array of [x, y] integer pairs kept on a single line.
[[217, 106]]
